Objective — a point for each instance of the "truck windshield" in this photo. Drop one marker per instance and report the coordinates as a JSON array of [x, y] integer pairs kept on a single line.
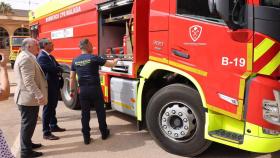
[[16, 41], [271, 3]]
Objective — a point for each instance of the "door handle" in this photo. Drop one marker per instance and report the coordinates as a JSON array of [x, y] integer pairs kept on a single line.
[[181, 54]]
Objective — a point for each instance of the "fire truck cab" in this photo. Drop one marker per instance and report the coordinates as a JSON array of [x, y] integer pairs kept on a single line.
[[15, 44], [192, 72]]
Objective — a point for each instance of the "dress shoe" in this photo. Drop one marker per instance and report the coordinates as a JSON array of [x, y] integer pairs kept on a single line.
[[31, 154], [106, 134], [87, 139], [58, 129], [50, 137], [35, 146]]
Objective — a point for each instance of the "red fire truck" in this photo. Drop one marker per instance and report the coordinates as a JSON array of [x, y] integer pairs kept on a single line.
[[15, 44], [191, 71]]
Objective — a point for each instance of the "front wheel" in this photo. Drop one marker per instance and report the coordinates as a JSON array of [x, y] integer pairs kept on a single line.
[[70, 102], [176, 120]]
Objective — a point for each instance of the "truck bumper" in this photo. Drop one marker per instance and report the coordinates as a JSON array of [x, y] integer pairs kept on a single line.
[[260, 144], [262, 103]]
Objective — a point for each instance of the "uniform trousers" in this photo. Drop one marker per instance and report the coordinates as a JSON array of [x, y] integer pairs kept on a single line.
[[92, 95]]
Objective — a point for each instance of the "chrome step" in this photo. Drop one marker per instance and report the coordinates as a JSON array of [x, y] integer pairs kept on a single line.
[[227, 136]]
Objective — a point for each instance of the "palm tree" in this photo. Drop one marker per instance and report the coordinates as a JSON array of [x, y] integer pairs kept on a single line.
[[5, 8]]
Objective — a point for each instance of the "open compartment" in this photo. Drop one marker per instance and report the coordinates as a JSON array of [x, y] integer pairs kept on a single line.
[[116, 30]]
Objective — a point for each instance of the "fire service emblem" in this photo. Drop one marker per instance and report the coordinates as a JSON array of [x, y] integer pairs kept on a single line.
[[195, 32]]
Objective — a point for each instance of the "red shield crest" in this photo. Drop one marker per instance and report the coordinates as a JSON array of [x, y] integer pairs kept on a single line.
[[195, 32]]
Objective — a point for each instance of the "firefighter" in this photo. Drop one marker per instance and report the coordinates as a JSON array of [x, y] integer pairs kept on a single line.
[[86, 66]]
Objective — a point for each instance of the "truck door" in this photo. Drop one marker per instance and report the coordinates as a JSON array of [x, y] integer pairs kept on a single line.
[[202, 45]]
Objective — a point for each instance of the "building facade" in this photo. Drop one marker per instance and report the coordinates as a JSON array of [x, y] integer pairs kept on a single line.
[[14, 23]]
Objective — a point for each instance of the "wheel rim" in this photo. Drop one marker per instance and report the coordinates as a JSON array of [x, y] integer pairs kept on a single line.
[[66, 89], [177, 121]]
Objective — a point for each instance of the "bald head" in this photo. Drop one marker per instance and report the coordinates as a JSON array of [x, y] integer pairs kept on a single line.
[[31, 45], [27, 42]]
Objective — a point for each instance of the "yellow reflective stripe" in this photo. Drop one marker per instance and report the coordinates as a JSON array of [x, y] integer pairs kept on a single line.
[[188, 68], [77, 79], [122, 105], [262, 48], [241, 88], [249, 56], [106, 91], [222, 111], [239, 110], [271, 66], [54, 7], [242, 84], [64, 60], [162, 60], [241, 95], [102, 80]]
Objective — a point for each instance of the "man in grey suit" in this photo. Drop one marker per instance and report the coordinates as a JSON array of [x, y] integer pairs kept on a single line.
[[31, 92]]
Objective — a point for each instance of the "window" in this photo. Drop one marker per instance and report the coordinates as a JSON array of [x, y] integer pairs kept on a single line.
[[4, 38], [21, 32], [271, 3], [196, 8]]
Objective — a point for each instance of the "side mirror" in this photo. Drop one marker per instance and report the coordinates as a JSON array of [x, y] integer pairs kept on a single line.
[[212, 6], [225, 9]]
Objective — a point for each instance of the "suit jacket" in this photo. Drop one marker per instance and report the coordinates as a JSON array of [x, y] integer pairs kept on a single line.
[[31, 82], [51, 70]]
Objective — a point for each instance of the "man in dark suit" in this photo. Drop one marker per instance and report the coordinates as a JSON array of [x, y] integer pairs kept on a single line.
[[51, 69]]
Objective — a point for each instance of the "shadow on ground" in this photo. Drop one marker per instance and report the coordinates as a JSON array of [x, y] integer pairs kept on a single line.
[[126, 137]]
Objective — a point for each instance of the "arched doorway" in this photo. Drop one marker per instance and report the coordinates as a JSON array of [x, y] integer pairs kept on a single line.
[[4, 38], [21, 32]]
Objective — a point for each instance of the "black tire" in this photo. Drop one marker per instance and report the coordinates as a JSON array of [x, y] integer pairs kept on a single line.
[[70, 102], [176, 120]]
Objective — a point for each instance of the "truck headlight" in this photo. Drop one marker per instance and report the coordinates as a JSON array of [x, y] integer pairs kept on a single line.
[[271, 109]]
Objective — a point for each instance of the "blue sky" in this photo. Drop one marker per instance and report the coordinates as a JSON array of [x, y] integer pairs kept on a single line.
[[25, 4]]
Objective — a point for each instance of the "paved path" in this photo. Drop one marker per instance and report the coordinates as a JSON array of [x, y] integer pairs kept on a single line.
[[125, 142]]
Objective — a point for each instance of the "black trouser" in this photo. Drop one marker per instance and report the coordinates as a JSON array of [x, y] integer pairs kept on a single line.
[[49, 114], [29, 116], [92, 95]]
